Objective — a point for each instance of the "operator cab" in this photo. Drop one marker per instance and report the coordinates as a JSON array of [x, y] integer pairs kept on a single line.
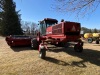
[[47, 22]]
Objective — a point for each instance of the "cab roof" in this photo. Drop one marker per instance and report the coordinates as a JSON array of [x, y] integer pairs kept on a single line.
[[49, 19]]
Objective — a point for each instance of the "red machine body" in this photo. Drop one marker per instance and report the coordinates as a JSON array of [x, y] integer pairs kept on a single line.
[[57, 34], [16, 40], [62, 32]]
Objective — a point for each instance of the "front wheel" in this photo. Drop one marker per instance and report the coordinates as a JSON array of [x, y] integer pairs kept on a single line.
[[78, 48], [42, 53]]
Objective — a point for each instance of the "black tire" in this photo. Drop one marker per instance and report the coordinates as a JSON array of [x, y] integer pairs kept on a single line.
[[97, 41], [78, 48], [90, 40], [42, 53], [34, 44]]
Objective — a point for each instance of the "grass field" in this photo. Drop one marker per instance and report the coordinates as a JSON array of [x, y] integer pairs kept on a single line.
[[58, 61]]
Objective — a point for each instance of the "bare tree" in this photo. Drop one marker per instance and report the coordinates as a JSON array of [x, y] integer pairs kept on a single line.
[[26, 27], [33, 28], [29, 28], [79, 7]]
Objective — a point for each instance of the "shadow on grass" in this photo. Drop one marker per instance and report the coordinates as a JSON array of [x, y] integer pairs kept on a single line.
[[88, 55], [63, 63], [21, 48], [56, 61]]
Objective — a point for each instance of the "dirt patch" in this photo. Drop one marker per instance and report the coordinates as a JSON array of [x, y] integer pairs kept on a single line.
[[58, 61]]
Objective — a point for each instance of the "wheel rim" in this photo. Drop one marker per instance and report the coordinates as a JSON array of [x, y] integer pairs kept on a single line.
[[90, 40], [40, 54]]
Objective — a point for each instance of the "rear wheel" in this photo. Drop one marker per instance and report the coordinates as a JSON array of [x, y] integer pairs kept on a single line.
[[97, 41], [78, 48]]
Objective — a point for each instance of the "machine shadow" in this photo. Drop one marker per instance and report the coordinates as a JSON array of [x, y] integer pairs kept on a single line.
[[63, 63], [88, 55], [21, 48], [56, 61]]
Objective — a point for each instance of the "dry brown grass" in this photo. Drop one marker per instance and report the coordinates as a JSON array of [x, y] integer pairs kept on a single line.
[[59, 61]]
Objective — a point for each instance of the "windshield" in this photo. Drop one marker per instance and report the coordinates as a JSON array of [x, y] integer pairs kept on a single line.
[[44, 25], [42, 28], [50, 23]]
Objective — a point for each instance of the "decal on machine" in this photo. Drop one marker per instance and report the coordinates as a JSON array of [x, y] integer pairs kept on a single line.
[[73, 28]]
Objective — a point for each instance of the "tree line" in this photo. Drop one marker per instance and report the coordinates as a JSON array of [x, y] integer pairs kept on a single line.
[[88, 30], [29, 28]]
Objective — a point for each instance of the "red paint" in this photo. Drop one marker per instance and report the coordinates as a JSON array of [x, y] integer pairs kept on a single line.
[[64, 31], [18, 40]]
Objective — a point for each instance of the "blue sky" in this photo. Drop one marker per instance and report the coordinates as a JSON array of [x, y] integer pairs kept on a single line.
[[36, 10]]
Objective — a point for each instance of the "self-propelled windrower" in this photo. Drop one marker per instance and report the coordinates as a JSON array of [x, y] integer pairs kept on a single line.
[[58, 34]]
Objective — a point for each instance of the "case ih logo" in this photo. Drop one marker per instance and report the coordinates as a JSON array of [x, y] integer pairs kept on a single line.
[[73, 28]]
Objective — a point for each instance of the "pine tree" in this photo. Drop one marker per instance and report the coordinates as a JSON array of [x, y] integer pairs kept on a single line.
[[10, 19]]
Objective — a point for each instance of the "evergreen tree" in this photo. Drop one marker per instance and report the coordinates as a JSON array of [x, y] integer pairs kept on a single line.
[[0, 21], [10, 19]]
